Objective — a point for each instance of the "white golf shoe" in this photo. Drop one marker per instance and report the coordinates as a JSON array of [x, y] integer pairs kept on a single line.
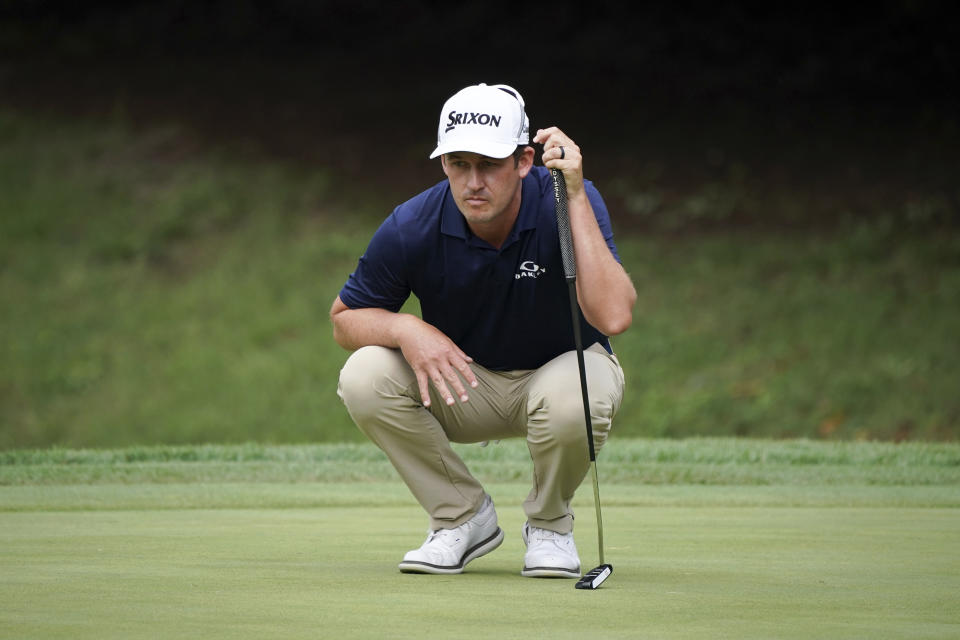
[[549, 554], [449, 550]]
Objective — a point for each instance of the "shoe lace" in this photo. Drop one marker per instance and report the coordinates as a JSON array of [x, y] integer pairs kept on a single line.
[[545, 535], [447, 537]]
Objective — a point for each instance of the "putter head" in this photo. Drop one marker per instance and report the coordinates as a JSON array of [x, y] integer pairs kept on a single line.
[[595, 577]]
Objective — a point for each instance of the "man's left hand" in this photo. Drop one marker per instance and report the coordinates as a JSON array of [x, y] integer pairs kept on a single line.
[[560, 152]]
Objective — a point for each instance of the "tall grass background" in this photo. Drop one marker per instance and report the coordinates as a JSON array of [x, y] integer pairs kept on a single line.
[[153, 292]]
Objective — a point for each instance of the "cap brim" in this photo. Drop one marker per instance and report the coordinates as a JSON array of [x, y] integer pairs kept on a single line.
[[484, 148]]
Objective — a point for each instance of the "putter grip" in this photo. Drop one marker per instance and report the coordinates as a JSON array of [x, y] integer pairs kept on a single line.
[[563, 225]]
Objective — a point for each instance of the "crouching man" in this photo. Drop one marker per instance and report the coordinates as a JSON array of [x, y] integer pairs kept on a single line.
[[492, 356]]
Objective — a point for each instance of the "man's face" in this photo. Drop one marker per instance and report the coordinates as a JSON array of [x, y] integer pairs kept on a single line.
[[483, 187]]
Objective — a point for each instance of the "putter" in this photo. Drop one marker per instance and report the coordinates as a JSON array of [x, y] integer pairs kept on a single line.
[[595, 577]]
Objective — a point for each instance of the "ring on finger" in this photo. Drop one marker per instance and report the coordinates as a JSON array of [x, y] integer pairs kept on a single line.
[[563, 154]]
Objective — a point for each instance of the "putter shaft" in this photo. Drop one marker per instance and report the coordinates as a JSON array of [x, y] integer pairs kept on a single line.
[[570, 273], [596, 501]]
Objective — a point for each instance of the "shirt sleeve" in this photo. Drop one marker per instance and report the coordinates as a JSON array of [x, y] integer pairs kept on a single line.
[[380, 279], [603, 217]]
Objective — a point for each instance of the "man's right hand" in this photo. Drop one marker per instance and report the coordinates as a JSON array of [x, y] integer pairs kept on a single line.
[[431, 354], [436, 359]]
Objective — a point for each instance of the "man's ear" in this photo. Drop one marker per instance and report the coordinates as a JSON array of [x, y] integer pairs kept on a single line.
[[526, 162]]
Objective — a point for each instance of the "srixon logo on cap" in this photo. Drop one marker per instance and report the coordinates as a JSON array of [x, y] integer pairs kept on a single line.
[[482, 119]]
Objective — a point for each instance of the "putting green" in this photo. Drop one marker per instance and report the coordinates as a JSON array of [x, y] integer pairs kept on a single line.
[[690, 562]]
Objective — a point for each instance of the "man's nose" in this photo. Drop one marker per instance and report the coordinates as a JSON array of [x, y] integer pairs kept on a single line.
[[474, 181]]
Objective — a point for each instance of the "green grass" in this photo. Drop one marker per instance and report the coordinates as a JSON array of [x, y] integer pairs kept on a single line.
[[843, 545], [150, 299], [157, 293], [819, 336], [680, 572], [706, 461]]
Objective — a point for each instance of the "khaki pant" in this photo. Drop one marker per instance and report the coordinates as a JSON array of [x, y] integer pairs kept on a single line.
[[543, 405]]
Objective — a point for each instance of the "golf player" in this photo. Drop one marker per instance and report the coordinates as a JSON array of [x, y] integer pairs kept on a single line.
[[493, 355]]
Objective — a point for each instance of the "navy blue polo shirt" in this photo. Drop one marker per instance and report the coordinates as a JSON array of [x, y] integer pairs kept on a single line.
[[507, 308]]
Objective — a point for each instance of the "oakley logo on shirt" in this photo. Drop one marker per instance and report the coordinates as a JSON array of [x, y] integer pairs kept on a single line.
[[529, 269]]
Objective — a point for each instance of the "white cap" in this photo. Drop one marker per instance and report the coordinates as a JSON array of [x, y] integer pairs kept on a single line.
[[489, 120]]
